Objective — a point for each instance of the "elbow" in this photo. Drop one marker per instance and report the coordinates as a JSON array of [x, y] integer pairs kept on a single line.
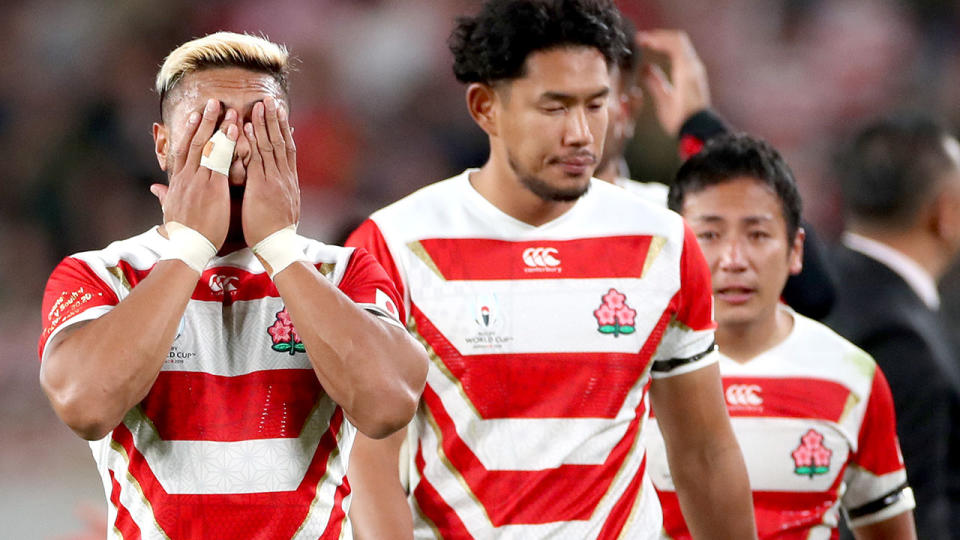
[[391, 415], [80, 413]]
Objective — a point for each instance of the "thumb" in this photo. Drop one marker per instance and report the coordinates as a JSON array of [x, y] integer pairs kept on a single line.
[[159, 191]]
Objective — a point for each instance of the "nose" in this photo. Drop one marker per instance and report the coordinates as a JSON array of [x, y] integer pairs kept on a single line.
[[577, 129], [732, 258]]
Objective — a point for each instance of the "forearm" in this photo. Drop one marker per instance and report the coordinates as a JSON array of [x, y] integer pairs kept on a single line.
[[379, 509], [372, 369], [714, 491], [899, 527], [95, 374]]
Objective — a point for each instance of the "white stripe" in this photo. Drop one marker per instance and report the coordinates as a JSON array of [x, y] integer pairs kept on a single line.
[[214, 467], [532, 444], [538, 316]]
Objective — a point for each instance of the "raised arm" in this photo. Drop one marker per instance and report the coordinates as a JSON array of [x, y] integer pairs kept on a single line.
[[368, 365], [95, 372], [704, 457]]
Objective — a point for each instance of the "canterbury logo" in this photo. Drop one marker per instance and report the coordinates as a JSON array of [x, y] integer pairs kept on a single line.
[[744, 395], [219, 283], [541, 257]]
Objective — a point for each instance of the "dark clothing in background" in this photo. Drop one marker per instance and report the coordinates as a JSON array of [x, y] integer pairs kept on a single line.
[[878, 311]]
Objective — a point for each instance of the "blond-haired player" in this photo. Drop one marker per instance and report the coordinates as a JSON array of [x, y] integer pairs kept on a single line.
[[220, 364]]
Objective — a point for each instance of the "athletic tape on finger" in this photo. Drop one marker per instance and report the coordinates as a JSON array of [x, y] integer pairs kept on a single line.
[[218, 153]]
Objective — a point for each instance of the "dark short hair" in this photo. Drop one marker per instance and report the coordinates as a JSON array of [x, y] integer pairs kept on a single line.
[[736, 155], [494, 45], [629, 57], [892, 167]]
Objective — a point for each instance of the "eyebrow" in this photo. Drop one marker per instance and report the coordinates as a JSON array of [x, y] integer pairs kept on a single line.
[[560, 96], [750, 220]]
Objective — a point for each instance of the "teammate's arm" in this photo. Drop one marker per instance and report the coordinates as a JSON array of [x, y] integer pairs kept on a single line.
[[95, 372], [379, 508], [703, 455], [373, 369]]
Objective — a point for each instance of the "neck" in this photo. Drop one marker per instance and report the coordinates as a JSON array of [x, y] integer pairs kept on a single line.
[[745, 341], [499, 185], [610, 171], [922, 248]]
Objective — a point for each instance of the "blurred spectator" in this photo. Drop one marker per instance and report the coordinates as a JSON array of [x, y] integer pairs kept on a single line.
[[901, 187]]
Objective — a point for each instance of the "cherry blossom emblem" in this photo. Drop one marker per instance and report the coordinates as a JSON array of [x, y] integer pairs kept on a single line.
[[614, 316], [811, 457], [284, 335]]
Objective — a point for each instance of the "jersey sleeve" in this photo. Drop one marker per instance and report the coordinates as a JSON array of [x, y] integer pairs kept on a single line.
[[74, 293], [368, 237], [876, 479], [366, 283], [688, 340]]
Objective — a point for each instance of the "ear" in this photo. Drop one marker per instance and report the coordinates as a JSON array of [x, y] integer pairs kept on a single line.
[[483, 104], [946, 215], [161, 144], [795, 257]]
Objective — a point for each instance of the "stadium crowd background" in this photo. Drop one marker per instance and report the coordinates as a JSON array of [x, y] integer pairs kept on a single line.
[[377, 114]]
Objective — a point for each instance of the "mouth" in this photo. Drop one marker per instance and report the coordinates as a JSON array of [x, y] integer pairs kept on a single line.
[[576, 165], [735, 295]]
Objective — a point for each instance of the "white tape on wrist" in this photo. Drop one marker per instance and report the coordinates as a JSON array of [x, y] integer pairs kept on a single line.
[[280, 249], [188, 246], [218, 153]]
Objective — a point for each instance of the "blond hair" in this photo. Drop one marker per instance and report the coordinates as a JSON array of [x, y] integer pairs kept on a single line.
[[222, 49]]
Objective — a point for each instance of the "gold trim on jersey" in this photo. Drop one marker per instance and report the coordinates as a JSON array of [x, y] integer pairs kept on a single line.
[[116, 272], [326, 473], [417, 248], [327, 269], [438, 362], [656, 246], [119, 449], [453, 470], [852, 401]]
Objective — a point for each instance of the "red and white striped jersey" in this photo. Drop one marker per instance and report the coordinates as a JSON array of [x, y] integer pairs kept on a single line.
[[543, 343], [236, 438], [815, 422]]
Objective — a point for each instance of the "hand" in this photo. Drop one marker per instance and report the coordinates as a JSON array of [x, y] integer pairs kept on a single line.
[[271, 199], [687, 90], [196, 196]]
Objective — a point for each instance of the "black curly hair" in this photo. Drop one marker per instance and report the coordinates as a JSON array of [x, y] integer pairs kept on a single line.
[[494, 45], [736, 155]]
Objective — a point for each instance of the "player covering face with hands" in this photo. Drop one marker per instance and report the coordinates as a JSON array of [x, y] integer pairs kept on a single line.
[[220, 364]]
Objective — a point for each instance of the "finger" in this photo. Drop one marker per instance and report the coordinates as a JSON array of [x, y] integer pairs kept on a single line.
[[255, 166], [273, 130], [656, 83], [288, 138], [208, 123], [263, 138], [233, 133], [183, 146], [668, 42]]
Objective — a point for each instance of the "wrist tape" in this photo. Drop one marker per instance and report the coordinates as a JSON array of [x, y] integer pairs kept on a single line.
[[188, 246], [280, 249]]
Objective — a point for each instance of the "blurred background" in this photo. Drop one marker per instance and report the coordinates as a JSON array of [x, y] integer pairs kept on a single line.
[[378, 114]]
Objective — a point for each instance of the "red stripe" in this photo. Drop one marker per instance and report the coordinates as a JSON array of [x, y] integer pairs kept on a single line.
[[258, 516], [779, 514], [548, 385], [443, 517], [786, 397], [124, 523], [565, 493], [228, 284], [621, 510], [192, 406], [605, 257], [337, 515]]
